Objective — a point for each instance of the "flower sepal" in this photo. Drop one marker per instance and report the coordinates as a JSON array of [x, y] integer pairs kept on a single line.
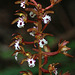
[[63, 48], [55, 1], [26, 73]]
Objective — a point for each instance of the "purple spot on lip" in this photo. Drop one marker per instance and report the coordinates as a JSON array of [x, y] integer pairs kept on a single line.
[[20, 23], [42, 42]]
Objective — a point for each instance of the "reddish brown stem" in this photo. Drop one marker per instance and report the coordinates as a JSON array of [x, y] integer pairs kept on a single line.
[[36, 50], [31, 21], [44, 27], [28, 42], [40, 61], [22, 71], [49, 7], [44, 70], [31, 3], [51, 53], [45, 60], [34, 2]]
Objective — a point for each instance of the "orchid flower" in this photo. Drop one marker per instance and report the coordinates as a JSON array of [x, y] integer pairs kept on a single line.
[[31, 62], [46, 19], [22, 3], [63, 48], [32, 15], [20, 23], [42, 42]]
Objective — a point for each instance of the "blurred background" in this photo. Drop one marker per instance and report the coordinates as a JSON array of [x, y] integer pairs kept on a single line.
[[62, 26]]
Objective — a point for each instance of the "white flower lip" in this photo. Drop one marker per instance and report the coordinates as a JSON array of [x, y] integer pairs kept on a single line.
[[17, 47], [31, 62], [22, 4], [20, 23], [46, 19], [16, 56], [32, 33], [32, 15], [42, 42], [55, 71]]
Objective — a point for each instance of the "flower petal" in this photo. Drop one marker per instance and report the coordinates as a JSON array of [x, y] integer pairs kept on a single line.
[[31, 29], [68, 55], [23, 61], [55, 1], [47, 48], [17, 2]]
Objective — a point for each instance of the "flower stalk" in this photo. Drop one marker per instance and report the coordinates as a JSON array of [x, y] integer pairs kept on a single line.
[[40, 61], [41, 15]]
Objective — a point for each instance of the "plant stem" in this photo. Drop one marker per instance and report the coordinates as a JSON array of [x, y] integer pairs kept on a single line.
[[40, 61], [40, 52]]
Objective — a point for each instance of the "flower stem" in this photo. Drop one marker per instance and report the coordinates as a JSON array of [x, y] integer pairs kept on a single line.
[[31, 3], [40, 52], [40, 61], [49, 7]]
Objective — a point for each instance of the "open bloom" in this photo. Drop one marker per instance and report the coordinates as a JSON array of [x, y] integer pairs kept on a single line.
[[22, 4], [31, 62], [16, 56], [46, 19], [55, 71], [32, 33], [32, 15], [20, 23], [42, 42], [17, 47], [63, 48]]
